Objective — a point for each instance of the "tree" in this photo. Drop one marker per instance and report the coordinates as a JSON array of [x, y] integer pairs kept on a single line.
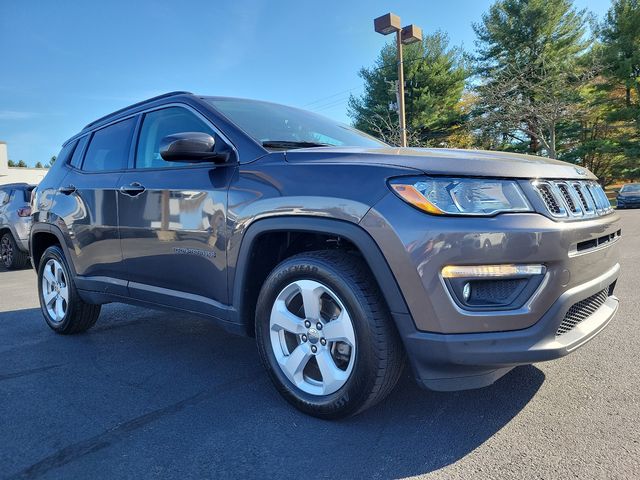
[[529, 63], [11, 163], [21, 164], [620, 35], [591, 137], [435, 77], [621, 39], [39, 165]]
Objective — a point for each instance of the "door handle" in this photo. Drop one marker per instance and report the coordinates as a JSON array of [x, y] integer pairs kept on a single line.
[[133, 189], [68, 190]]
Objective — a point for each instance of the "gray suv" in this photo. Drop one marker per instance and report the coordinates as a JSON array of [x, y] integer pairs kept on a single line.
[[342, 255], [15, 222]]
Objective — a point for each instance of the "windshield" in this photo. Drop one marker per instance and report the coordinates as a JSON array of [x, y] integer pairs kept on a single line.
[[632, 188], [277, 126]]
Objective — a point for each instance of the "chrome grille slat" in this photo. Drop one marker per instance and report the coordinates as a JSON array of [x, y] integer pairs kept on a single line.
[[572, 199], [586, 200], [566, 196]]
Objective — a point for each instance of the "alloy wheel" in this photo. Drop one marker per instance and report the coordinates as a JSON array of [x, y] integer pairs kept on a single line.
[[312, 337], [6, 251], [55, 290]]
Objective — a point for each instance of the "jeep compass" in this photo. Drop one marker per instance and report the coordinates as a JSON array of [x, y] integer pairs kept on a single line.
[[344, 257]]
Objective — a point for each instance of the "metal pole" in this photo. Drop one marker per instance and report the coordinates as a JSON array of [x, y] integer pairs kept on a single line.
[[403, 128]]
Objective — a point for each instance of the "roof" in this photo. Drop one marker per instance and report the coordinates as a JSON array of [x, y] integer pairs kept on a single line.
[[135, 105]]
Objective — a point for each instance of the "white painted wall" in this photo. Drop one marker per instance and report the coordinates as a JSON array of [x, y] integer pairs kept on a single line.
[[15, 174], [4, 159], [26, 175]]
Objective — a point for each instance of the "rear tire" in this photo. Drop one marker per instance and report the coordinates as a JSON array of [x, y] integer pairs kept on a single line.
[[324, 335], [63, 309], [12, 257]]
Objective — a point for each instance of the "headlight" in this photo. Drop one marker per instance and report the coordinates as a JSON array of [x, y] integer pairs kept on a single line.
[[461, 196]]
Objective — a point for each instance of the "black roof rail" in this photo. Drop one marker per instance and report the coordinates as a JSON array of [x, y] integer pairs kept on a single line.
[[113, 114]]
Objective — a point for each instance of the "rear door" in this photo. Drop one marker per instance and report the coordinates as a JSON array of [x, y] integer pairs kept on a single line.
[[173, 219], [91, 211]]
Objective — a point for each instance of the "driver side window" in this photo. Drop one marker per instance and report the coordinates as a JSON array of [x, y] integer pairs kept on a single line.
[[158, 124]]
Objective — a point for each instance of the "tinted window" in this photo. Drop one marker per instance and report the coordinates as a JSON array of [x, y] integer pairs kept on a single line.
[[632, 188], [157, 125], [76, 158], [4, 197], [109, 147], [27, 193], [65, 153]]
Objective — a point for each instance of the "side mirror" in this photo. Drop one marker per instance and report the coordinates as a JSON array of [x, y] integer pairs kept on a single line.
[[190, 147]]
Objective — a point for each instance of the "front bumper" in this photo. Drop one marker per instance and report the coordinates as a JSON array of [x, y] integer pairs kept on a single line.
[[462, 361], [451, 348]]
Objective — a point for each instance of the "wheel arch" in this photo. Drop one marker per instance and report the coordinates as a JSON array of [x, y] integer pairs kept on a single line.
[[7, 229], [244, 288], [42, 236]]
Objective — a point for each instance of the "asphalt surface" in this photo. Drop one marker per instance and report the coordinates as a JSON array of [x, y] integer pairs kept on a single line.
[[149, 394]]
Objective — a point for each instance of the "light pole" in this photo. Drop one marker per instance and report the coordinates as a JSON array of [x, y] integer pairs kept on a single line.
[[385, 25]]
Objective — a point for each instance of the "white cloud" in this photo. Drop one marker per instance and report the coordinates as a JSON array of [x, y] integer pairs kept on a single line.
[[16, 115]]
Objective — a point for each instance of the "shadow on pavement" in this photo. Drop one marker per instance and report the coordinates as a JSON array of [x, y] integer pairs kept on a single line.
[[148, 393]]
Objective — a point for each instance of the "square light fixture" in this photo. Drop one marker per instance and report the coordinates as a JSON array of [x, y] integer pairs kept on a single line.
[[387, 24], [411, 34]]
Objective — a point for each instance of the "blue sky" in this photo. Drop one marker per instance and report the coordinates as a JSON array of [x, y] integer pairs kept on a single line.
[[66, 63]]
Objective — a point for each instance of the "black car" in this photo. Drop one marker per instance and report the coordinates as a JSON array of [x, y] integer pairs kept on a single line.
[[629, 196]]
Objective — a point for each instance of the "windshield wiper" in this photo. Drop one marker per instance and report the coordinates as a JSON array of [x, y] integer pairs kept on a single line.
[[287, 144]]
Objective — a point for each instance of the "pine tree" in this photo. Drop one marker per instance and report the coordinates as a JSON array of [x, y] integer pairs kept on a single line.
[[620, 35], [435, 77], [529, 56]]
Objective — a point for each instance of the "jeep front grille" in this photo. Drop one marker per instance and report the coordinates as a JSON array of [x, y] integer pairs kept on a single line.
[[575, 199], [582, 310]]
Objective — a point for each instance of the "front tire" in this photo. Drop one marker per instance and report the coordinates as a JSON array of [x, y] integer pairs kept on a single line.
[[12, 257], [325, 337], [63, 309]]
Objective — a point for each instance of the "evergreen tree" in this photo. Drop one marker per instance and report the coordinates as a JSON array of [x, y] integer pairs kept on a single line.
[[620, 35], [39, 165], [529, 63], [435, 77]]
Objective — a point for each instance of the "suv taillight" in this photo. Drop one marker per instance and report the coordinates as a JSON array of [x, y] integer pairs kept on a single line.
[[24, 212]]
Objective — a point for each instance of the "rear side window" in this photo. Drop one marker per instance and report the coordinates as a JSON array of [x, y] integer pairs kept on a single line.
[[26, 193], [76, 158], [65, 153], [109, 147], [157, 125]]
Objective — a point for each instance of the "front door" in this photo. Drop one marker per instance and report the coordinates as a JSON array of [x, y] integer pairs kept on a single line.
[[172, 220]]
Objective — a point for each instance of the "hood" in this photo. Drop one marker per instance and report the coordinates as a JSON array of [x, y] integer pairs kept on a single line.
[[443, 161]]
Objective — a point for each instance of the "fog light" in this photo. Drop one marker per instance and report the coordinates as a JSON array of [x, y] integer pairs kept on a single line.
[[466, 291], [492, 287]]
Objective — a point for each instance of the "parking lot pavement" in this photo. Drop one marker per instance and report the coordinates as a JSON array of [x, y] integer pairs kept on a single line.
[[155, 394]]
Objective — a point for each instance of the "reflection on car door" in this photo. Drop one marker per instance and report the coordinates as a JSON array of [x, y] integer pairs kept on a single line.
[[172, 220], [88, 199]]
